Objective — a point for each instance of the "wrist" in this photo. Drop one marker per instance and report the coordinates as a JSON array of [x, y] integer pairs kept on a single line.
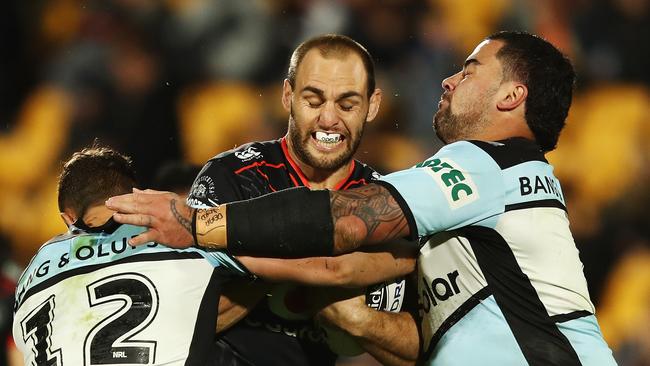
[[209, 227]]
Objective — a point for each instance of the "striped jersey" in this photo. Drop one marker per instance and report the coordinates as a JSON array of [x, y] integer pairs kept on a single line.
[[89, 298], [500, 281]]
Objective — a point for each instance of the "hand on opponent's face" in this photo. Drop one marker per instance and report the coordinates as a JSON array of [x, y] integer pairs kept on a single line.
[[165, 214]]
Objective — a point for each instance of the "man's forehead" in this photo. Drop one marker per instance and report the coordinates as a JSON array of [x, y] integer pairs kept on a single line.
[[485, 50], [343, 67]]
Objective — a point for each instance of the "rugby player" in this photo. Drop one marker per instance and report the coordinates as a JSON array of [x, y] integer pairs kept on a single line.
[[330, 95], [500, 278], [87, 297]]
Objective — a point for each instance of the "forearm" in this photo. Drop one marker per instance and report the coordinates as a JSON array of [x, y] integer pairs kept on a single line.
[[356, 269], [392, 338], [301, 223]]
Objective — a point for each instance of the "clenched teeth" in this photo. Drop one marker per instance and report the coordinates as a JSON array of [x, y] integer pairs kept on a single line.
[[328, 137]]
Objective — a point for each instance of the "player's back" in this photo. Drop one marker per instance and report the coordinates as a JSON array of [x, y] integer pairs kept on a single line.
[[88, 298]]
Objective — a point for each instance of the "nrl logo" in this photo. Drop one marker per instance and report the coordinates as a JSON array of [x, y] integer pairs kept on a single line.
[[248, 154]]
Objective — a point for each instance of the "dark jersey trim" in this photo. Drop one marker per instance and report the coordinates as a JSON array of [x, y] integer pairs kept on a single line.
[[457, 315], [533, 204], [206, 322], [538, 336], [511, 152], [561, 318], [410, 219], [145, 257]]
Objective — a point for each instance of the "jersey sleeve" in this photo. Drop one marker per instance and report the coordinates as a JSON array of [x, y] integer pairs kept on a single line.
[[214, 185], [458, 186]]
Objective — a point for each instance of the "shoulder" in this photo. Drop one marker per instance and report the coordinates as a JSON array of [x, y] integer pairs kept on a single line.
[[247, 154], [363, 170], [511, 152]]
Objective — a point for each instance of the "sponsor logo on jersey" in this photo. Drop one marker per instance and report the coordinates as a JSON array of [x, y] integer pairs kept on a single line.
[[248, 154], [439, 289], [457, 186], [386, 296], [539, 185]]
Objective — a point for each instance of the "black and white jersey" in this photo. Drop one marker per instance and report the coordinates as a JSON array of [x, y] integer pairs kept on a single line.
[[280, 329], [88, 298], [500, 279]]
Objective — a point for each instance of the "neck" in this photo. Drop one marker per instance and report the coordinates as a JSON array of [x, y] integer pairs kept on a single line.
[[97, 215], [320, 178], [505, 129]]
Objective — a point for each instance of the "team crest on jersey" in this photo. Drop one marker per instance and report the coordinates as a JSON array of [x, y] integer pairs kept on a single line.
[[202, 189], [247, 154], [456, 184]]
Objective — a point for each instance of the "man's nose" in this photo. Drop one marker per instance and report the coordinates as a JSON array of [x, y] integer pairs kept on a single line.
[[449, 84], [328, 116]]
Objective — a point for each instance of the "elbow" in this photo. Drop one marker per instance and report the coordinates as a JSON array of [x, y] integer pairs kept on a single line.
[[349, 233]]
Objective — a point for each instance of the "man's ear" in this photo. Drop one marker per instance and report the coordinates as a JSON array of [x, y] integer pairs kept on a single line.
[[514, 95], [287, 92], [68, 216], [373, 107]]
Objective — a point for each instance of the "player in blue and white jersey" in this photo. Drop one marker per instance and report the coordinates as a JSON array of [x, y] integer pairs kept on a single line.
[[500, 279], [88, 298]]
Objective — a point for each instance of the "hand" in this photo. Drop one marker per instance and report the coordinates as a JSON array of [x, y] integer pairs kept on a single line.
[[166, 215]]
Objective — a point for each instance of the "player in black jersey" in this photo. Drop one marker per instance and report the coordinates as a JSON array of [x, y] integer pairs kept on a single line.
[[330, 95]]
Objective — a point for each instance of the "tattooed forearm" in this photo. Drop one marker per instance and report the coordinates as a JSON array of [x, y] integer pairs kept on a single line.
[[374, 209], [186, 223]]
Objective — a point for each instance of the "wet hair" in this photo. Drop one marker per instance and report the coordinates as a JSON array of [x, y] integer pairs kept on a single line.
[[549, 77], [332, 45], [91, 176]]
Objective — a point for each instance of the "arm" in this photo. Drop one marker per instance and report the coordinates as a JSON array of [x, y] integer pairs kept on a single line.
[[239, 297], [365, 215], [350, 270], [392, 338]]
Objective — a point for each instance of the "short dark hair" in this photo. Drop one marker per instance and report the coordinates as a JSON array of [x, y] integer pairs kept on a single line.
[[91, 176], [549, 77], [332, 45]]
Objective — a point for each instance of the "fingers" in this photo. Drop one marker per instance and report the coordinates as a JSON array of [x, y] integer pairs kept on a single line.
[[148, 191], [143, 238], [133, 219], [134, 203]]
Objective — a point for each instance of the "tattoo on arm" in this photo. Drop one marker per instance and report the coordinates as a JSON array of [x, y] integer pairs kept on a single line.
[[375, 208], [187, 224]]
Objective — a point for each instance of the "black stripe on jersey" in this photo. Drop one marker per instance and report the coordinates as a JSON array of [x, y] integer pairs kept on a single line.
[[533, 204], [145, 257], [561, 318], [206, 321], [538, 336], [457, 315], [410, 219], [511, 152]]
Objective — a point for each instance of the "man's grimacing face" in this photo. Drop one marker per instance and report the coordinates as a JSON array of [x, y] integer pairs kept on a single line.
[[328, 109], [465, 105]]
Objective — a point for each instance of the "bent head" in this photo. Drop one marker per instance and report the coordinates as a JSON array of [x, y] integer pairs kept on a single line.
[[88, 178], [511, 77], [330, 94]]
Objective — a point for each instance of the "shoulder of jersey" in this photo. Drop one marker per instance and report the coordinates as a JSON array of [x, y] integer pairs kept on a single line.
[[366, 171], [511, 152], [250, 153]]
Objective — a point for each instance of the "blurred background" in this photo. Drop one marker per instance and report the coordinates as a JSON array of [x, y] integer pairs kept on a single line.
[[174, 82]]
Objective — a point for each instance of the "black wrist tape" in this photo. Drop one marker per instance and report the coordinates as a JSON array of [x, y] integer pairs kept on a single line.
[[196, 241], [292, 223]]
